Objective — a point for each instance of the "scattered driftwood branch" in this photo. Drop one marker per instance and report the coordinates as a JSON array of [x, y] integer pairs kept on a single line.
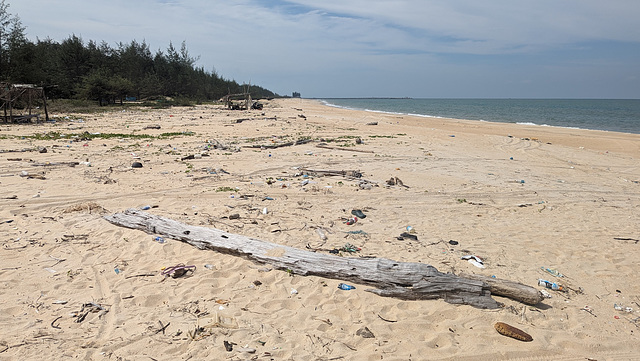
[[69, 164], [626, 239], [274, 146], [324, 146], [415, 281]]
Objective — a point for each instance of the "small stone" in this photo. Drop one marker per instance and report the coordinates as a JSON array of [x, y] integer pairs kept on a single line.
[[136, 165]]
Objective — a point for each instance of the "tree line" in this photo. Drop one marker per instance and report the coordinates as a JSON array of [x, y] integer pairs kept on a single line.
[[77, 69]]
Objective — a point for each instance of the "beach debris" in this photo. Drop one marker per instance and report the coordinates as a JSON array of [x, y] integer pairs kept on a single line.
[[274, 146], [395, 181], [545, 294], [359, 232], [53, 323], [345, 173], [365, 332], [87, 308], [136, 165], [365, 185], [405, 235], [474, 260], [620, 307], [325, 146], [372, 123], [588, 310], [453, 243], [552, 272], [626, 239], [510, 331], [351, 221], [158, 239], [386, 320], [321, 233], [348, 247], [246, 349], [178, 270], [153, 126], [162, 327], [346, 287], [229, 345], [550, 285], [28, 175], [358, 213]]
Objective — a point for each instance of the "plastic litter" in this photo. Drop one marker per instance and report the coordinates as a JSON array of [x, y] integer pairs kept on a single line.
[[159, 239], [321, 233], [550, 285], [348, 247], [552, 272], [178, 270], [346, 287], [358, 213], [351, 221], [474, 260]]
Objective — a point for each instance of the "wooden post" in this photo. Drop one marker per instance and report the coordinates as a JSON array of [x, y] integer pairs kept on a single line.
[[44, 99]]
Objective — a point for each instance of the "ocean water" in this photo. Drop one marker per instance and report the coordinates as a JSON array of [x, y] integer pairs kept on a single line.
[[618, 115]]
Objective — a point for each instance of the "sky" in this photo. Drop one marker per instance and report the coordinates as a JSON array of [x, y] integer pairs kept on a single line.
[[376, 48]]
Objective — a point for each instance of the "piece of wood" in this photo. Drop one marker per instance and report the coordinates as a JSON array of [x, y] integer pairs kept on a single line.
[[324, 146], [510, 289], [412, 281], [344, 173], [274, 146]]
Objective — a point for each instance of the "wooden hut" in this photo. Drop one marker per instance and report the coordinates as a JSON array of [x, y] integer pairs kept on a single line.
[[21, 94]]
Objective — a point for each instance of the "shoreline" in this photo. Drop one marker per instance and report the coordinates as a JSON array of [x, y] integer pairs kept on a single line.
[[327, 102], [518, 197]]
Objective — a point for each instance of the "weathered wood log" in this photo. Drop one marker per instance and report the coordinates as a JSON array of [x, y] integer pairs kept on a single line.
[[510, 289], [414, 281], [274, 146], [344, 173]]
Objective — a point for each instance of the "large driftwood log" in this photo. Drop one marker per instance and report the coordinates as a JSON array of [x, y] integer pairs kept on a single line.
[[391, 278]]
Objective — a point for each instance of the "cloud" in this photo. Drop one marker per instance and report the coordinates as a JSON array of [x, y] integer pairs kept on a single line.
[[288, 45]]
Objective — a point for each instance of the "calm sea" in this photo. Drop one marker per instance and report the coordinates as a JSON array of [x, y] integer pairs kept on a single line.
[[622, 115]]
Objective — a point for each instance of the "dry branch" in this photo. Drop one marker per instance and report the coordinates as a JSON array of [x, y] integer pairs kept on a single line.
[[324, 146]]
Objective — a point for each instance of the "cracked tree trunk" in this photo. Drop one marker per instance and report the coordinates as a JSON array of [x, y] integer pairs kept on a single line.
[[404, 280]]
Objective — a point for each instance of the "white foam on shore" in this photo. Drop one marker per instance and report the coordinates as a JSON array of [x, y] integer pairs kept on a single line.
[[442, 117]]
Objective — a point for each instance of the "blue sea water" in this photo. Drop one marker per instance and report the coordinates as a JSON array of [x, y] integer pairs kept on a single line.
[[618, 115]]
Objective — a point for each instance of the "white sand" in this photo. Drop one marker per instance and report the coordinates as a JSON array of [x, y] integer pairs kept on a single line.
[[581, 190]]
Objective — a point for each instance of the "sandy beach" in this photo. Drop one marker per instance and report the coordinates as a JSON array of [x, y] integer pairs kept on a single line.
[[519, 197]]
